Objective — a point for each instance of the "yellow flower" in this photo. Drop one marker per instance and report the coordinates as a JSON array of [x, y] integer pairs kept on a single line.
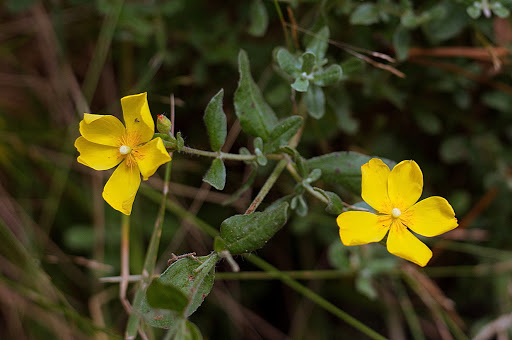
[[106, 142], [393, 194]]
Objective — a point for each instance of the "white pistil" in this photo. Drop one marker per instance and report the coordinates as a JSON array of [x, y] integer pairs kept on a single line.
[[124, 149], [396, 212]]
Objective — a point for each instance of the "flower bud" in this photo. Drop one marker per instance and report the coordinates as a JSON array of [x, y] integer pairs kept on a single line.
[[163, 124]]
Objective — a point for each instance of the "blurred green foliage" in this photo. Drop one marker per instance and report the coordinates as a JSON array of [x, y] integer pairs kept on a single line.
[[422, 80]]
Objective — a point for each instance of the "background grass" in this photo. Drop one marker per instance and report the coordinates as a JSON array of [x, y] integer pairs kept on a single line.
[[451, 113]]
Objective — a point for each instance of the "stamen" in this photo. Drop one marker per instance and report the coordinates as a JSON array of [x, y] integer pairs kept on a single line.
[[124, 149], [396, 212]]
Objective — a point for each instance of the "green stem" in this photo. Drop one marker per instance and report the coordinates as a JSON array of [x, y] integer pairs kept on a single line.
[[271, 180], [151, 255], [225, 155], [320, 301], [295, 274], [125, 260]]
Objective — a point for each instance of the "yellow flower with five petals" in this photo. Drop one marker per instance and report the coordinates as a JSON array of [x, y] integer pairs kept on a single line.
[[394, 195], [105, 142]]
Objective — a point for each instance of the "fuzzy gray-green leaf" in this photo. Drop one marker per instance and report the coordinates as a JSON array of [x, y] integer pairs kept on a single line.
[[318, 44], [282, 133], [301, 84], [334, 202], [246, 233], [365, 14], [315, 101], [215, 120], [216, 175], [259, 19], [329, 76], [288, 62], [308, 62], [256, 117]]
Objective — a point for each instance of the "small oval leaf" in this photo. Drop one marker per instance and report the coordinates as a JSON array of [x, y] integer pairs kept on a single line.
[[259, 19], [215, 120], [216, 175], [334, 204], [329, 76], [287, 62], [315, 101], [318, 44]]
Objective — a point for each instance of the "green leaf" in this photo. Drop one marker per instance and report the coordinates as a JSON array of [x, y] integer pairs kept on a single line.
[[352, 66], [282, 133], [219, 244], [474, 12], [246, 233], [215, 120], [259, 19], [364, 286], [256, 117], [315, 101], [288, 62], [166, 296], [449, 19], [308, 62], [216, 175], [365, 14], [343, 168], [335, 204], [329, 76], [318, 44], [301, 84], [498, 9], [299, 205], [401, 41], [338, 257], [194, 277], [187, 331]]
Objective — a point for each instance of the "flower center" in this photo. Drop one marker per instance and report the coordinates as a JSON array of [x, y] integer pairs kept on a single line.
[[125, 149], [396, 212]]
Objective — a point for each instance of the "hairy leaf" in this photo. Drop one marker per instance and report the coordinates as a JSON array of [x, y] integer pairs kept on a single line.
[[246, 233], [282, 133], [256, 117], [215, 120], [193, 277], [315, 101], [216, 175], [259, 19]]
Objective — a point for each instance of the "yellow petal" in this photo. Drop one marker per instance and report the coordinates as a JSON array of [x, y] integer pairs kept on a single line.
[[122, 187], [374, 185], [97, 156], [150, 156], [401, 242], [360, 227], [137, 116], [405, 184], [102, 129], [431, 217]]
